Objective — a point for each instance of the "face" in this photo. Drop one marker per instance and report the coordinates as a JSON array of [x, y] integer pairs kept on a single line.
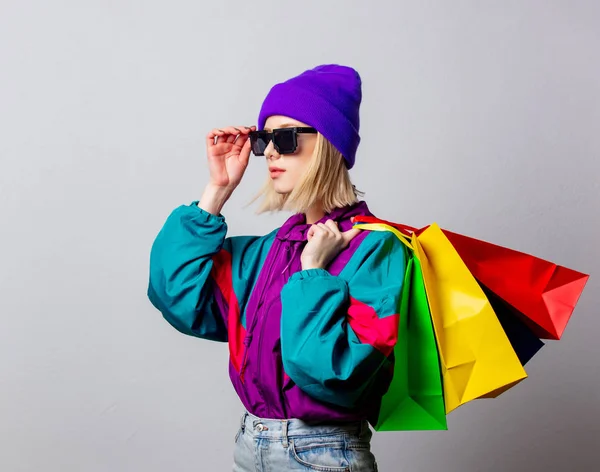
[[286, 170]]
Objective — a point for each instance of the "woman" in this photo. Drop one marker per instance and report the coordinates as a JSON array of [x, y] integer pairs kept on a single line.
[[310, 310]]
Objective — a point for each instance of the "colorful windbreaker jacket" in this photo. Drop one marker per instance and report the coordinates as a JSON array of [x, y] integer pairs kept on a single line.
[[312, 344]]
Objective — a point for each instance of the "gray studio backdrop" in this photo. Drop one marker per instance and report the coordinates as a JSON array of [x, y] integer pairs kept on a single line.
[[482, 116]]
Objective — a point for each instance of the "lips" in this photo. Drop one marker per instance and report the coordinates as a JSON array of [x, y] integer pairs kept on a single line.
[[275, 171]]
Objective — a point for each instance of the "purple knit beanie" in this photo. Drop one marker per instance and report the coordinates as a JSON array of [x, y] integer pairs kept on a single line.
[[327, 98]]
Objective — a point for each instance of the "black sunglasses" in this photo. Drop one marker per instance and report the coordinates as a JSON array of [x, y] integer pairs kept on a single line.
[[285, 140]]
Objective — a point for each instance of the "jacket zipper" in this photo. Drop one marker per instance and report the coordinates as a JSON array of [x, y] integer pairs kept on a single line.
[[264, 322], [249, 334], [259, 351]]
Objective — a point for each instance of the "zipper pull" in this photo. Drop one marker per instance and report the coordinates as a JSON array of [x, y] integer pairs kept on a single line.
[[291, 258]]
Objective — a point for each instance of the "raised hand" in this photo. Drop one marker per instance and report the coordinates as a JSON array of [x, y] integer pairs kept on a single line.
[[228, 151], [325, 241]]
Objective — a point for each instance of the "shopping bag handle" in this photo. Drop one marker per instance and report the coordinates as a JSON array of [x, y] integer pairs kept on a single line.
[[385, 227], [405, 229]]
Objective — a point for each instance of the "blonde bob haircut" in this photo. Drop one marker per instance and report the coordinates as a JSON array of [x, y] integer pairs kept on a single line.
[[326, 181]]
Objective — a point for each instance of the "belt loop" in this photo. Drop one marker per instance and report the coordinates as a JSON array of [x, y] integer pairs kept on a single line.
[[284, 430]]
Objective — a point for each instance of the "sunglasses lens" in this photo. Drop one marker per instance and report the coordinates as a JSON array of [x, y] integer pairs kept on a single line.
[[285, 140], [259, 141]]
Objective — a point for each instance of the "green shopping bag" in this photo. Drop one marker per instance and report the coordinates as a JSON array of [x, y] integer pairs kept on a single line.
[[415, 399]]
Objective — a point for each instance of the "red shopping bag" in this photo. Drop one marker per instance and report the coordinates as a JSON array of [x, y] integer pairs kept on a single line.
[[543, 293]]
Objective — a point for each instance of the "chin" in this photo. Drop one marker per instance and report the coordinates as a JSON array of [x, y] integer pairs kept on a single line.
[[281, 189]]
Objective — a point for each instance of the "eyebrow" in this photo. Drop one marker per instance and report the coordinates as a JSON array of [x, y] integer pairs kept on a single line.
[[284, 125]]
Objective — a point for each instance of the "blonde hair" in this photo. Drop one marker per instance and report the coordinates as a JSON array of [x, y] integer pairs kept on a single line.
[[326, 181]]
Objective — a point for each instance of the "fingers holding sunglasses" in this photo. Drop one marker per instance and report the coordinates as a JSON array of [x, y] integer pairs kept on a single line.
[[237, 130], [242, 141], [214, 135], [228, 134], [245, 149], [244, 131], [227, 139]]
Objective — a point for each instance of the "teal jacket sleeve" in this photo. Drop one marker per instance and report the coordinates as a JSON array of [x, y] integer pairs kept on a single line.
[[338, 332], [197, 280]]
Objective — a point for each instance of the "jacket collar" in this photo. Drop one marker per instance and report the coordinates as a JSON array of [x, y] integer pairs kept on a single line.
[[295, 228]]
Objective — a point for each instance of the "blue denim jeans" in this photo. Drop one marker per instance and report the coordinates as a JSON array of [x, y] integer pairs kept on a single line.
[[267, 445]]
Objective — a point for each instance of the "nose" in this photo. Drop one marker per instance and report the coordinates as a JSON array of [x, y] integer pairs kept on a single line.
[[271, 153]]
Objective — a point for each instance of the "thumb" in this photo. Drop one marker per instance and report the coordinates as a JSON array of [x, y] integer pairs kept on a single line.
[[350, 235]]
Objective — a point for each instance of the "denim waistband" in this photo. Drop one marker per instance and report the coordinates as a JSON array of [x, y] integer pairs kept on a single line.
[[282, 429]]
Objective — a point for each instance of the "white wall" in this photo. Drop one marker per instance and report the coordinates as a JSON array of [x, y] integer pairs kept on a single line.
[[482, 116]]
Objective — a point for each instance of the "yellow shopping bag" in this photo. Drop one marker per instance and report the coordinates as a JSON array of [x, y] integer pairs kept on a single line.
[[476, 356], [477, 359]]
